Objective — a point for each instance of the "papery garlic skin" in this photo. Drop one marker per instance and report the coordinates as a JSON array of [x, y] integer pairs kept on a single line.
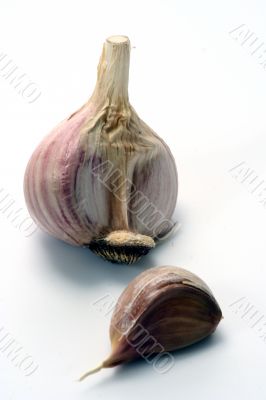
[[163, 309], [68, 190], [172, 304]]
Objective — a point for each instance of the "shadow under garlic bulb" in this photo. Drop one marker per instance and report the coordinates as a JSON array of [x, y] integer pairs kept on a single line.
[[102, 178]]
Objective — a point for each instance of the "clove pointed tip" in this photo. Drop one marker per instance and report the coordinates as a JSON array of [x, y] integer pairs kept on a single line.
[[91, 372]]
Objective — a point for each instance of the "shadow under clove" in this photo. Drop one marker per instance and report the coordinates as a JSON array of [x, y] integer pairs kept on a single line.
[[140, 366]]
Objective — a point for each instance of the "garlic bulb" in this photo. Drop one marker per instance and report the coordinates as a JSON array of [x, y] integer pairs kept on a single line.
[[102, 178], [161, 310]]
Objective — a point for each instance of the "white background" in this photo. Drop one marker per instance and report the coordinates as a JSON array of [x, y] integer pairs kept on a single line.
[[204, 93]]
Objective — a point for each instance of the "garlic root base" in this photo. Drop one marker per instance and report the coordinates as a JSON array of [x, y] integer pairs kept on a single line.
[[122, 247]]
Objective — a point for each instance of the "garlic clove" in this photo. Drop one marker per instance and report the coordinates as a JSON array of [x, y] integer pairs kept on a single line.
[[103, 171], [161, 310]]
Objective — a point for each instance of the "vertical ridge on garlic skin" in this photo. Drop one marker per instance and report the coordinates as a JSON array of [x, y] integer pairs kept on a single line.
[[70, 160], [52, 169], [32, 190]]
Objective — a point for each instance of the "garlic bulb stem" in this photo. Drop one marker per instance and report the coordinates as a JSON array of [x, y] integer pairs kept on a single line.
[[111, 92], [113, 72]]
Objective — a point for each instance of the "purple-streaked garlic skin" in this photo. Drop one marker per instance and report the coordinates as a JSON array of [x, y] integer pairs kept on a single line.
[[50, 180], [64, 195]]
